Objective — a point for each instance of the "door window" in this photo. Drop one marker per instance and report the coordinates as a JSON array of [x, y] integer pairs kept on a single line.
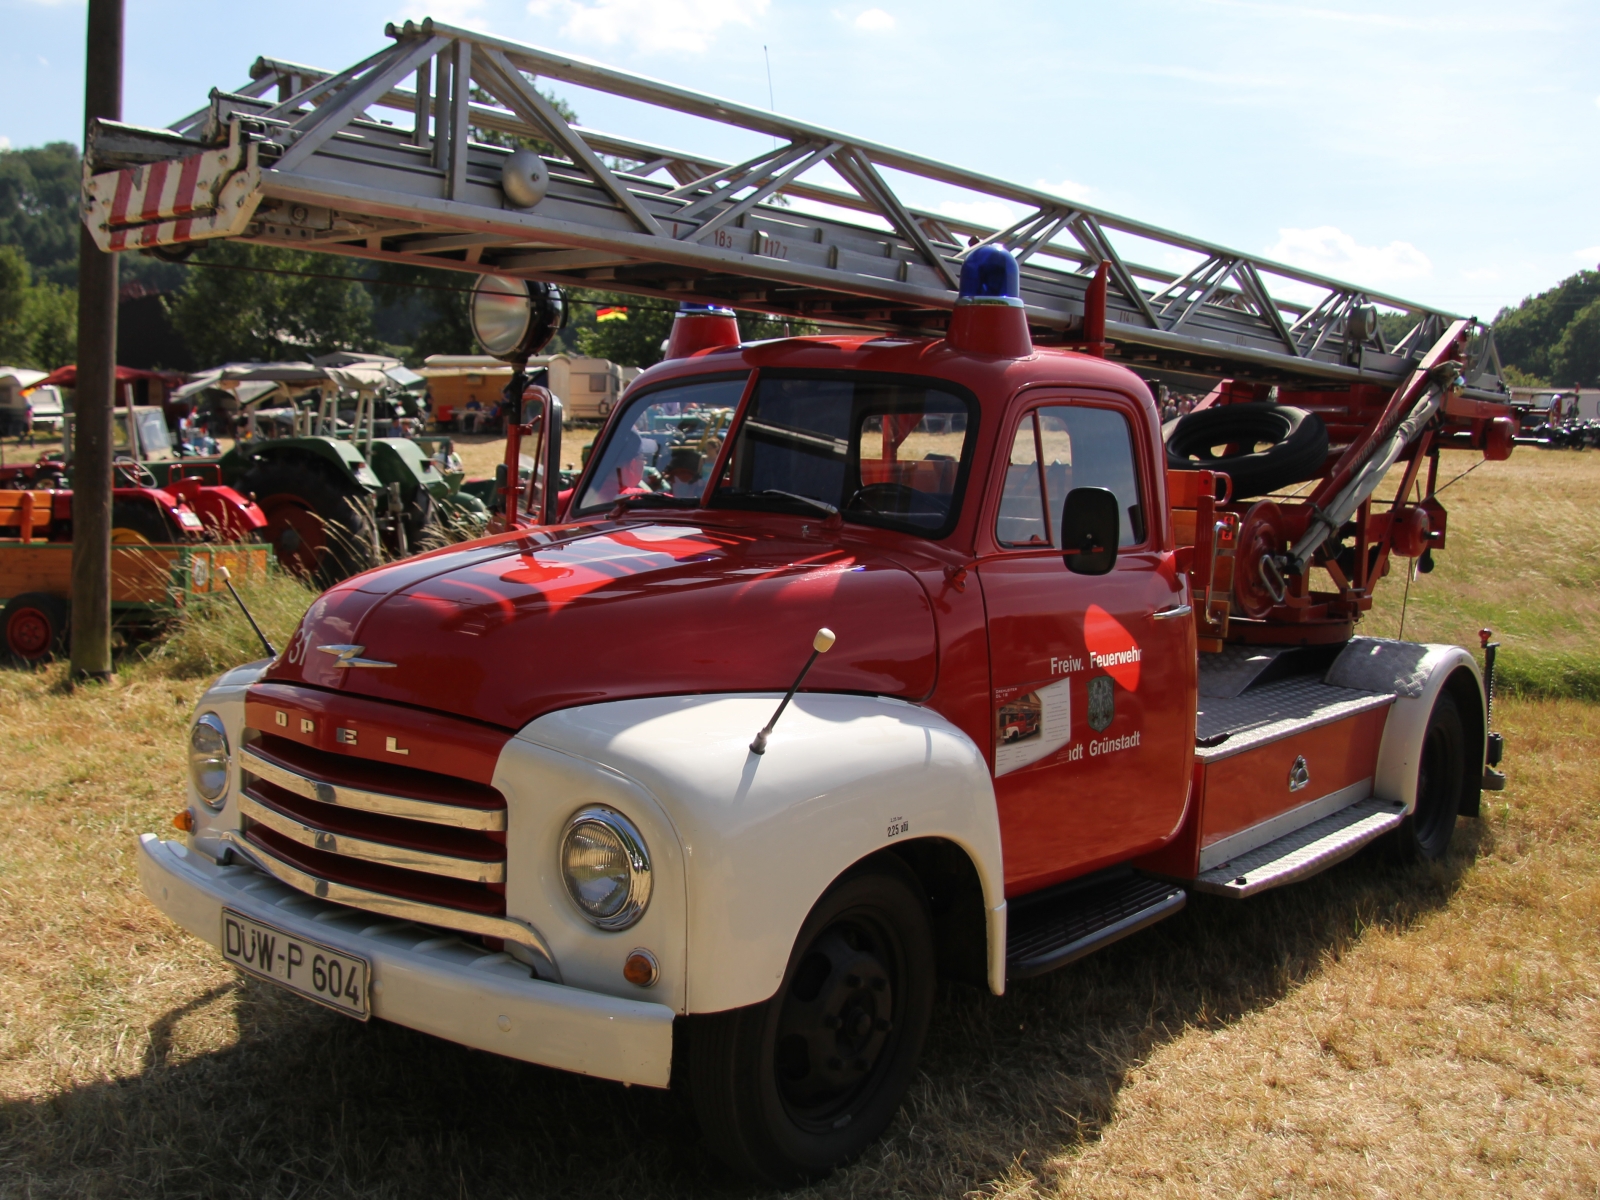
[[1057, 448]]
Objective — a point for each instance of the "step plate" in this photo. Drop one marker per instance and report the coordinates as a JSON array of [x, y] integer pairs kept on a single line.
[[1301, 854], [1058, 932]]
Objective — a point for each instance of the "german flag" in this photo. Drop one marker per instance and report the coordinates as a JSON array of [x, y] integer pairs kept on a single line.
[[615, 312]]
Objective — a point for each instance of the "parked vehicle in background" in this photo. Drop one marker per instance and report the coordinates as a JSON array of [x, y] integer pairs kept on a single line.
[[27, 405], [465, 388]]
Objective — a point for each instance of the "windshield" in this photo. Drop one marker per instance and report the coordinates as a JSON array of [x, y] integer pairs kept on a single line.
[[882, 450], [664, 446]]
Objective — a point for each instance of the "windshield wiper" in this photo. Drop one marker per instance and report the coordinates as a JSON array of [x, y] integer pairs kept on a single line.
[[821, 506], [662, 498]]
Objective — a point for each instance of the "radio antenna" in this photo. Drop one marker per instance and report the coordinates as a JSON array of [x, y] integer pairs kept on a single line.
[[820, 645], [222, 574]]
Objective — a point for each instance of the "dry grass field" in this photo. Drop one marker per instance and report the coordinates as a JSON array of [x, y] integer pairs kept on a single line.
[[1423, 1030]]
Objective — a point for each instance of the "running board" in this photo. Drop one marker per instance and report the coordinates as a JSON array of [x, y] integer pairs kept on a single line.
[[1303, 853], [1055, 932]]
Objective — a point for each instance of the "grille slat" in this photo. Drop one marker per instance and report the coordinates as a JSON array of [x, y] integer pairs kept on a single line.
[[374, 829], [369, 787], [319, 837]]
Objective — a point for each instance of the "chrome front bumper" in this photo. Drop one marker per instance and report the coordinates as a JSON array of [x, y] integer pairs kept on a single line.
[[426, 978]]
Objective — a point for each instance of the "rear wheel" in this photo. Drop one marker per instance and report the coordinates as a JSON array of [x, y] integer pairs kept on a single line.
[[1441, 780], [319, 527], [787, 1090], [35, 627]]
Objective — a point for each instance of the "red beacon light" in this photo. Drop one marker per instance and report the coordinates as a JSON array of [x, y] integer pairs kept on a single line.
[[989, 317], [699, 327]]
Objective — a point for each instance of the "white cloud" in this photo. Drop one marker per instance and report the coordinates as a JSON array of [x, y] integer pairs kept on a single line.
[[1067, 189], [1588, 254], [1330, 251], [874, 20], [5, 143], [681, 25]]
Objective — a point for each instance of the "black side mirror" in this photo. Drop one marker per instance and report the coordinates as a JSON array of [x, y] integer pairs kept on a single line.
[[1090, 523]]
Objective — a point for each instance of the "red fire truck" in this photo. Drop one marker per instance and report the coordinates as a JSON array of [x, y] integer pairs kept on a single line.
[[945, 659]]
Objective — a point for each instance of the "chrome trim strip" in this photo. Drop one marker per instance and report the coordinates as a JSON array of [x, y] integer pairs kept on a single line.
[[506, 928], [469, 869], [388, 805]]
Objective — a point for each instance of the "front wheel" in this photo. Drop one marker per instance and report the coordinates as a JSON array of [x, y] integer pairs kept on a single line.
[[787, 1090]]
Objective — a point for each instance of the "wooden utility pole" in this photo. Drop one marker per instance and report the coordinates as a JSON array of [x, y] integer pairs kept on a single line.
[[95, 393]]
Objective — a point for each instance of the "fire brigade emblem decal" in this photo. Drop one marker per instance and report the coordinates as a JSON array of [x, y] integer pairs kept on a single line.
[[1102, 703]]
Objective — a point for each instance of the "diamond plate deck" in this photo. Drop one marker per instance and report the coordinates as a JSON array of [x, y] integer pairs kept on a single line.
[[1303, 853], [1276, 710]]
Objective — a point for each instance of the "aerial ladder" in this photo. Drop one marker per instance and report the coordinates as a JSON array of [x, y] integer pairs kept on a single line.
[[440, 151]]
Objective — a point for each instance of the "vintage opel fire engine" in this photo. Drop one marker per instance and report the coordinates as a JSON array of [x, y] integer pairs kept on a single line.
[[849, 662]]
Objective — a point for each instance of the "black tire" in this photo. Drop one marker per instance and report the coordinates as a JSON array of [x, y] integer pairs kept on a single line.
[[145, 517], [788, 1090], [1442, 777], [1297, 445], [424, 530], [35, 627], [318, 522]]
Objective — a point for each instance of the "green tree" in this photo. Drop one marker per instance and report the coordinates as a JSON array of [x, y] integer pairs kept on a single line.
[[38, 321], [261, 303], [1576, 357], [1527, 335], [39, 199], [637, 341]]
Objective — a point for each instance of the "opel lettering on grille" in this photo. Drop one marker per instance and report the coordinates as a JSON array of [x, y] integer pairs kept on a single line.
[[347, 736]]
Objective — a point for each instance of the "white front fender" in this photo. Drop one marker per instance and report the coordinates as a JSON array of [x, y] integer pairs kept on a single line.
[[763, 836]]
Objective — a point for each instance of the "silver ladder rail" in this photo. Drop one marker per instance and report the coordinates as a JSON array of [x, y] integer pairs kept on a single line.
[[318, 167]]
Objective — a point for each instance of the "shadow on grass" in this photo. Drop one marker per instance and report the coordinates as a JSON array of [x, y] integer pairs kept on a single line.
[[310, 1104]]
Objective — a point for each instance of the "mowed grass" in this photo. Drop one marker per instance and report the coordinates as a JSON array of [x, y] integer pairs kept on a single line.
[[1522, 558], [1383, 1029]]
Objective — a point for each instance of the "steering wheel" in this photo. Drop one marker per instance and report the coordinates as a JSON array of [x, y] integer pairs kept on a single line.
[[136, 474], [906, 500]]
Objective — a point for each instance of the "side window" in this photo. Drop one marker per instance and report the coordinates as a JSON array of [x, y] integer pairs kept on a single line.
[[1056, 449], [1023, 519]]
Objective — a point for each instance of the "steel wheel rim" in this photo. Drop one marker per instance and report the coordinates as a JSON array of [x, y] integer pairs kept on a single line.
[[839, 1023], [28, 633]]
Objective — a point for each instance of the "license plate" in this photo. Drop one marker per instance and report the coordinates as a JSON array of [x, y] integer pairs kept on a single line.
[[311, 969]]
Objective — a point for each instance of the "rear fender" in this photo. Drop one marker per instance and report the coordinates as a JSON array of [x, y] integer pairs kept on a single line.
[[761, 837], [1414, 674], [402, 461]]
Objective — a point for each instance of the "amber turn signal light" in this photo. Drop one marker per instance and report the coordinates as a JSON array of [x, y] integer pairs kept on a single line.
[[184, 820], [640, 968]]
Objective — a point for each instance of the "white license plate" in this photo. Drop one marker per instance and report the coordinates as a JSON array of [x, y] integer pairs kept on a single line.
[[315, 971]]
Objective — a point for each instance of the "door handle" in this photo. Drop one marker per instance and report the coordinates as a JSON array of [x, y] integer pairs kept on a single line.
[[1167, 614]]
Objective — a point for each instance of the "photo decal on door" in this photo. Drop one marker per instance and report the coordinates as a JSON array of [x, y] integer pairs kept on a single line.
[[1030, 725]]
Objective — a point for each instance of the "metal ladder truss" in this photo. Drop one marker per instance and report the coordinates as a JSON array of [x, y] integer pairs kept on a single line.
[[388, 160]]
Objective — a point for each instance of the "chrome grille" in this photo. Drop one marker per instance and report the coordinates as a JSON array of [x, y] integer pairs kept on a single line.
[[383, 830]]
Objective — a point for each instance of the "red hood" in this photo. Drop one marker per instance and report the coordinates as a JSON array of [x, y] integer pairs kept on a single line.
[[505, 631]]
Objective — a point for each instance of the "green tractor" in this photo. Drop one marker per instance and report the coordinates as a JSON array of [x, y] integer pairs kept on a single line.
[[337, 496]]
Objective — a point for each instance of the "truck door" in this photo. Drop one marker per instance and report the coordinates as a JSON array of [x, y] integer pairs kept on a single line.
[[1093, 677]]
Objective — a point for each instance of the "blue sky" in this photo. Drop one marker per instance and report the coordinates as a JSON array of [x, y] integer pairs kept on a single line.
[[1443, 152]]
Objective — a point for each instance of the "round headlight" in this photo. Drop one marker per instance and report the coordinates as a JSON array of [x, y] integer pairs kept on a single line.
[[606, 867], [208, 758]]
